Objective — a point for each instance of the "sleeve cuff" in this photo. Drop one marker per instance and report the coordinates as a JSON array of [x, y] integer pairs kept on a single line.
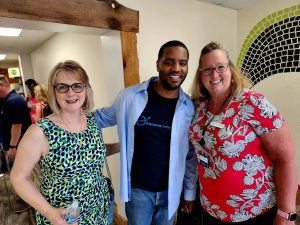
[[190, 195]]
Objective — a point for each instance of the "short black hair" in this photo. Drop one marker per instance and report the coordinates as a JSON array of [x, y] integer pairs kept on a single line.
[[172, 43], [30, 82]]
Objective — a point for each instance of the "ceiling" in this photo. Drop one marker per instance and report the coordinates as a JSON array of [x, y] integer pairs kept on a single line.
[[35, 33], [25, 43], [233, 4]]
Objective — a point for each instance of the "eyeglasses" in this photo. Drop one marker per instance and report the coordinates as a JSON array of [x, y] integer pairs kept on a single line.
[[64, 88], [220, 68]]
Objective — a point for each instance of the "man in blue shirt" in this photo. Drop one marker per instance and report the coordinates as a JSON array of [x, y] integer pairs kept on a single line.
[[157, 162], [14, 120]]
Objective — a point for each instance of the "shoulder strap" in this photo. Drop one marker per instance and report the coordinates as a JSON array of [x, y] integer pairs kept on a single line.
[[107, 169]]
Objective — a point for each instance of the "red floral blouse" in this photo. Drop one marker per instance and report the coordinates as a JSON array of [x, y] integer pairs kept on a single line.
[[235, 172]]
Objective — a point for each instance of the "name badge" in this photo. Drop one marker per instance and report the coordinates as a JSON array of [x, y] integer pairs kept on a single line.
[[204, 161], [216, 124]]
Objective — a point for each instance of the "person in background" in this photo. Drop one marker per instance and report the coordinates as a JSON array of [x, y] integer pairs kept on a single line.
[[31, 100], [245, 151], [42, 108], [69, 150], [15, 119], [2, 156], [153, 120]]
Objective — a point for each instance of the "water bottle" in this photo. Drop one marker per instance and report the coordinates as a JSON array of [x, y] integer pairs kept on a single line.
[[72, 212]]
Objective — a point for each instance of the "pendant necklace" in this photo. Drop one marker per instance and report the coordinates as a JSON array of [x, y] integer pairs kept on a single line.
[[202, 141]]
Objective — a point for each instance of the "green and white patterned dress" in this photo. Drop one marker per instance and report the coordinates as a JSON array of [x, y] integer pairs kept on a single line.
[[72, 170]]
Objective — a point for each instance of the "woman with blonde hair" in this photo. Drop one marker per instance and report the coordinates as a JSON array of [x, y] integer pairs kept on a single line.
[[70, 151], [41, 96], [245, 150]]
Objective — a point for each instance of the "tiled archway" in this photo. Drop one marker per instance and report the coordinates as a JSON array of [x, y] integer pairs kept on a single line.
[[272, 46]]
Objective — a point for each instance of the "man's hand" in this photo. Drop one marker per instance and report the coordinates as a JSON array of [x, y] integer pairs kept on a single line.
[[187, 206], [12, 153]]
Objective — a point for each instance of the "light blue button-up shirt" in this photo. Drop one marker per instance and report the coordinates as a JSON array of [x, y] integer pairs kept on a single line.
[[124, 112]]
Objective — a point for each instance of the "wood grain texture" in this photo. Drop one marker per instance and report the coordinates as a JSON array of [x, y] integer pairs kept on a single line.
[[90, 13], [130, 58]]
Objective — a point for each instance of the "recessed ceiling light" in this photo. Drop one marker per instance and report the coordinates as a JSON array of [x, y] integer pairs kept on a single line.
[[13, 32], [2, 56]]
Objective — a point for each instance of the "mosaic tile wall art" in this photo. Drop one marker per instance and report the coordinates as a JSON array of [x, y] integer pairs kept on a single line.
[[272, 46]]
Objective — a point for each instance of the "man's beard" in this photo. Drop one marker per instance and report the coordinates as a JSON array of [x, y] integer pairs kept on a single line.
[[169, 87]]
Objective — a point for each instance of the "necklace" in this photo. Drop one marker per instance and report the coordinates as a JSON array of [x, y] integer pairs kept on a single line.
[[202, 141]]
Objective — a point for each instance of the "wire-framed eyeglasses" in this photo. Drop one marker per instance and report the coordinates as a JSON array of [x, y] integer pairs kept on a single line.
[[64, 88], [220, 68]]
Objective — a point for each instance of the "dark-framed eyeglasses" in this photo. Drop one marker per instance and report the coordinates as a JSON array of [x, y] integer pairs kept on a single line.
[[220, 68], [64, 88]]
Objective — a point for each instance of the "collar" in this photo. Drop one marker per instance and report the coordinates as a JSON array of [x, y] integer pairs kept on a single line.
[[144, 86], [9, 94]]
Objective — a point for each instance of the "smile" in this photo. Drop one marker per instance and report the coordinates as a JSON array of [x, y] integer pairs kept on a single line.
[[71, 101], [215, 81], [175, 77]]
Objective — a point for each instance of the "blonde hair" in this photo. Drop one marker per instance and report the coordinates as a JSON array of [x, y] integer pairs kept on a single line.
[[79, 73], [41, 93], [239, 80]]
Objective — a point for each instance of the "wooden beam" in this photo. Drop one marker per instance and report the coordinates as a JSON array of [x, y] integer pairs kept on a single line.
[[105, 14], [130, 58]]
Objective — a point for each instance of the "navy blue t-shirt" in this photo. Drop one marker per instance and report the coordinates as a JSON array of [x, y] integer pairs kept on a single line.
[[14, 110], [150, 163], [1, 102]]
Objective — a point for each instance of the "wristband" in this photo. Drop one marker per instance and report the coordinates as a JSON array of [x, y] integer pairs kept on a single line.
[[12, 146], [288, 216]]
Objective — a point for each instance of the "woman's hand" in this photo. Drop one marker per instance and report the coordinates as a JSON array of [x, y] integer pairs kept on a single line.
[[56, 217], [30, 105]]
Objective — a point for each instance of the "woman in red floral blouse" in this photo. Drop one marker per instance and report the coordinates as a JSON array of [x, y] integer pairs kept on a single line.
[[244, 148]]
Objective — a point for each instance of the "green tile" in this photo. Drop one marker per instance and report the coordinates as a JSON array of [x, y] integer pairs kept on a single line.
[[262, 25]]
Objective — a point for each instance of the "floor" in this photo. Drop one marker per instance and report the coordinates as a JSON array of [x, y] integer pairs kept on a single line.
[[9, 217], [7, 204]]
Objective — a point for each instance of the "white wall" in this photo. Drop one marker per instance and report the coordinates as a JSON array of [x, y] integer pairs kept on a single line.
[[192, 22], [26, 69], [281, 89]]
